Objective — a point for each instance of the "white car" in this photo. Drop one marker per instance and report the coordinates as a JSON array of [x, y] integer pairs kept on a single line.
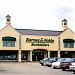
[[72, 67], [57, 63]]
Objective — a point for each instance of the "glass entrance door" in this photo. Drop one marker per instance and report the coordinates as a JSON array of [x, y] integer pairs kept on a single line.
[[37, 55]]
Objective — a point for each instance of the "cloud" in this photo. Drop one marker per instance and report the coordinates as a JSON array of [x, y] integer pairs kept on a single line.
[[1, 19], [63, 12]]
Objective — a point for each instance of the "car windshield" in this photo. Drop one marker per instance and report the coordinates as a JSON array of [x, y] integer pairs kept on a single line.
[[45, 58], [52, 59], [69, 60], [61, 59]]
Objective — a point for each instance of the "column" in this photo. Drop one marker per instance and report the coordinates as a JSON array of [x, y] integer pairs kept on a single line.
[[19, 56], [48, 54], [58, 54], [45, 54], [30, 55]]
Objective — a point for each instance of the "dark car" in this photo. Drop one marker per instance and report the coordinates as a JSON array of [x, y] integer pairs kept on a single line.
[[65, 65], [43, 60], [50, 61]]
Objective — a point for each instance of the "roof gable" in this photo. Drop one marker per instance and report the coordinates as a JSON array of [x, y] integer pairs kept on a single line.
[[8, 28], [67, 30]]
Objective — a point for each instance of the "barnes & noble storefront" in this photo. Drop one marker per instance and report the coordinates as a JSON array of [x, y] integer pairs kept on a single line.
[[34, 45]]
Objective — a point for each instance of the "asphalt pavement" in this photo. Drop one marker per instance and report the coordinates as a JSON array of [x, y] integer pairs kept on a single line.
[[29, 68]]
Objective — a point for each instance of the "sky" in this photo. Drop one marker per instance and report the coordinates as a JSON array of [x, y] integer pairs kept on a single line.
[[38, 14]]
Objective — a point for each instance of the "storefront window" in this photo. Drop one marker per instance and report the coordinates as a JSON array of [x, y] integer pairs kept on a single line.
[[8, 55], [65, 45], [71, 45], [68, 45], [53, 53], [24, 55], [9, 43]]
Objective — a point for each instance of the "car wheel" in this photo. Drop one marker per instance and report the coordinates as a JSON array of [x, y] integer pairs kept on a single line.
[[63, 69], [74, 71], [42, 64], [54, 68], [49, 65]]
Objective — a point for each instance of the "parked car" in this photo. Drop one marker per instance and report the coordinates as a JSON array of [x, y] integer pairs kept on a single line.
[[50, 61], [65, 64], [57, 63], [42, 61], [72, 67]]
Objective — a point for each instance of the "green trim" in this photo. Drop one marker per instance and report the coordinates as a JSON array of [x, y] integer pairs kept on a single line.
[[58, 43], [68, 40], [8, 38], [19, 42]]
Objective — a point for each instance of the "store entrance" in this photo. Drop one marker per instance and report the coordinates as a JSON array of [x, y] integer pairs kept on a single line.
[[37, 54]]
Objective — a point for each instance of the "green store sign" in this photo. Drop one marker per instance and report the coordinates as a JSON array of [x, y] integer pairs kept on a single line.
[[39, 42]]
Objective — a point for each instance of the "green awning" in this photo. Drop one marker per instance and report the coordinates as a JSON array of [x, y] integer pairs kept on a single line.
[[68, 40], [8, 38]]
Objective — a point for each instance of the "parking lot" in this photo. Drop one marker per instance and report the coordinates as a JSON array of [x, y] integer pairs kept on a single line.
[[29, 68]]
